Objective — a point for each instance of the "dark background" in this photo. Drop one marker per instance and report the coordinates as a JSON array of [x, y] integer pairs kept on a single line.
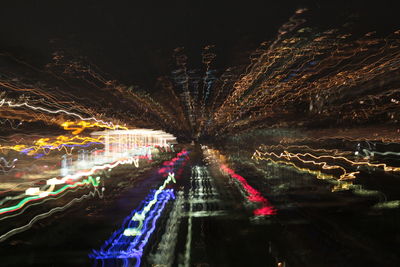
[[133, 41]]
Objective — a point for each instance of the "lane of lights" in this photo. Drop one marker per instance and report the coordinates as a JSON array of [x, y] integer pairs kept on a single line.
[[128, 242], [164, 255], [139, 217], [131, 246], [252, 194]]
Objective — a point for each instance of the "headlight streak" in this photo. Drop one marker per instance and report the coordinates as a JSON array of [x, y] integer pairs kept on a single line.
[[371, 153], [15, 231]]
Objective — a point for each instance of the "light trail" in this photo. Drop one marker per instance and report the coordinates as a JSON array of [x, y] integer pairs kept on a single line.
[[61, 142], [39, 197], [78, 127], [140, 216], [253, 195], [165, 249], [15, 231], [129, 241], [127, 248], [7, 166], [47, 199], [69, 179], [58, 111], [22, 203], [259, 155], [324, 165]]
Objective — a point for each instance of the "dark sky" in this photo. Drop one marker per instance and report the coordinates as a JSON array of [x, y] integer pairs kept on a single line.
[[133, 40]]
